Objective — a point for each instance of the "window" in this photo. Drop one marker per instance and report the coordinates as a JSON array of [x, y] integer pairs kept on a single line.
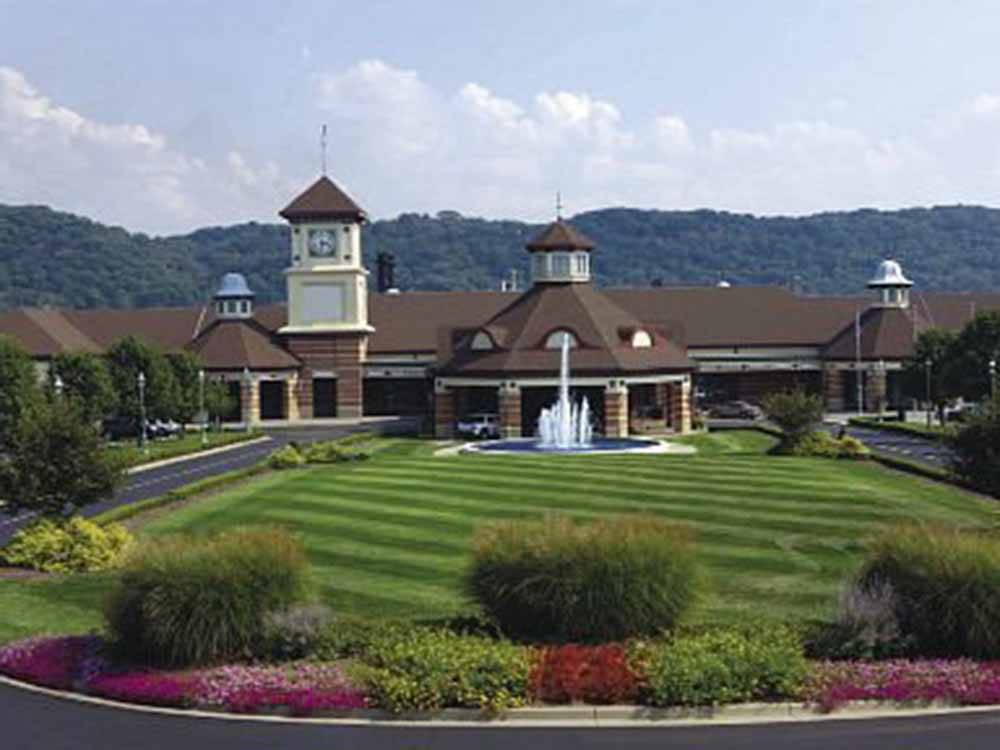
[[641, 340], [555, 339], [481, 342], [580, 264], [560, 264], [230, 307], [538, 265], [244, 307]]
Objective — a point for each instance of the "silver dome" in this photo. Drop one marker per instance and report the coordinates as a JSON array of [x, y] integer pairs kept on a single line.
[[889, 273], [233, 286]]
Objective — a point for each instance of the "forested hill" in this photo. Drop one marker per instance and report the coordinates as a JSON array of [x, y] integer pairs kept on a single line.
[[53, 258]]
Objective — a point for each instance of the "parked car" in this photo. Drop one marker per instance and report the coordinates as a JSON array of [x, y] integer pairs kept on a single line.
[[164, 428], [480, 426], [963, 412], [735, 410], [120, 428]]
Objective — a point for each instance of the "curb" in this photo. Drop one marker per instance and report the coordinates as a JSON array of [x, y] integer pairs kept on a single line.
[[633, 717], [197, 454]]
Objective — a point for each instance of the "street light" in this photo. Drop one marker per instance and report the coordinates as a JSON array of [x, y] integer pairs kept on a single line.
[[57, 384], [880, 392], [993, 379], [141, 379], [927, 389], [201, 407]]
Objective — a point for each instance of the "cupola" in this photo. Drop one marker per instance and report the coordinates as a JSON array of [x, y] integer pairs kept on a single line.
[[560, 254], [892, 287], [234, 300]]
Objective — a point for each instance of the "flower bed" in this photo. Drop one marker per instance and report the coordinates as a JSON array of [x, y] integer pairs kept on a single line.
[[561, 674]]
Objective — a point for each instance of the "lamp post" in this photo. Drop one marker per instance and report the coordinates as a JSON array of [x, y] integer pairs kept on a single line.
[[880, 377], [927, 389], [859, 377], [57, 385], [993, 380], [248, 395], [141, 380], [201, 407]]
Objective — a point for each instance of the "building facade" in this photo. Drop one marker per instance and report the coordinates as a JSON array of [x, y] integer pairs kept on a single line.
[[339, 350]]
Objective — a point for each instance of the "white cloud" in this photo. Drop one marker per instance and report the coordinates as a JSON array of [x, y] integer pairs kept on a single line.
[[985, 104], [672, 134]]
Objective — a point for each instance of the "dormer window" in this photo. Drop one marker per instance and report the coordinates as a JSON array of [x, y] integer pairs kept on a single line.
[[555, 339], [560, 265], [481, 342], [641, 340]]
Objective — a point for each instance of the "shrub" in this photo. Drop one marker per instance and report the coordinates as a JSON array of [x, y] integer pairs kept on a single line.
[[428, 669], [333, 452], [725, 666], [975, 450], [588, 674], [866, 626], [603, 581], [73, 546], [350, 637], [295, 632], [947, 587], [823, 445], [200, 600], [795, 412], [851, 447], [288, 457]]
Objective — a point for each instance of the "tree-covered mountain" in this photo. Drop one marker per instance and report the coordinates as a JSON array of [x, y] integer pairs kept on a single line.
[[57, 259]]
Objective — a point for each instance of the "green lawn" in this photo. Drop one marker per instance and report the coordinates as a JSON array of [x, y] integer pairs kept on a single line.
[[159, 450], [390, 536]]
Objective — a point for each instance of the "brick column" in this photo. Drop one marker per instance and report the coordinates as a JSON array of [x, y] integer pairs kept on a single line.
[[249, 402], [291, 388], [680, 406], [616, 410], [509, 401], [304, 394], [833, 389], [444, 412], [663, 401]]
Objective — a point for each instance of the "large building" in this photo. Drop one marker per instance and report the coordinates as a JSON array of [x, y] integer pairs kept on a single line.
[[336, 349]]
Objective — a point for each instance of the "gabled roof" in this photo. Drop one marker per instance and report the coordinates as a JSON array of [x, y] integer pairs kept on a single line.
[[601, 327], [323, 200], [561, 236], [235, 344], [885, 333]]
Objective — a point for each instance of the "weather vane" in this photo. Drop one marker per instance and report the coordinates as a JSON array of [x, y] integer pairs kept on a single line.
[[322, 146], [559, 206]]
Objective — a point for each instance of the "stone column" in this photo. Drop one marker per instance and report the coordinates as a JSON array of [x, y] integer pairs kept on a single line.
[[444, 412], [833, 388], [616, 410], [304, 394], [249, 401], [509, 402], [663, 401], [680, 406], [292, 399], [875, 390]]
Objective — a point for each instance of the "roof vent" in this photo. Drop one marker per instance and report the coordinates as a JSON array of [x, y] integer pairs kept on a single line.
[[234, 300], [392, 290], [723, 284], [233, 286]]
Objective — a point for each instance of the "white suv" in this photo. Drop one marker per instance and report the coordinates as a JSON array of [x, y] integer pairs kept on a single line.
[[480, 426]]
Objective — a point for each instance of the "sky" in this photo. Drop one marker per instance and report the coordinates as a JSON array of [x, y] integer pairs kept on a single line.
[[164, 117]]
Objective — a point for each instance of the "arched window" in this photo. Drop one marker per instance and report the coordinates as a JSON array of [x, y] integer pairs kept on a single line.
[[481, 342], [641, 340], [555, 339]]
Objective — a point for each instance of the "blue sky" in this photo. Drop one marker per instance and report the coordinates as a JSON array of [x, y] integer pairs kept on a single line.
[[166, 116]]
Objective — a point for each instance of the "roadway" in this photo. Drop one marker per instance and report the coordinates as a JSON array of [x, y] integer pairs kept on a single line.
[[38, 722]]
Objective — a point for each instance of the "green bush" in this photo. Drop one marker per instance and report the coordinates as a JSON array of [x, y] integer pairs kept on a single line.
[[823, 445], [73, 546], [188, 600], [294, 633], [947, 587], [288, 457], [607, 580], [729, 665], [424, 669], [976, 451], [350, 637], [851, 447], [333, 452], [795, 412]]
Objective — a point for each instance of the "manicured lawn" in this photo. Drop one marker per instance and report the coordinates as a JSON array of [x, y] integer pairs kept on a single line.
[[158, 450], [390, 536]]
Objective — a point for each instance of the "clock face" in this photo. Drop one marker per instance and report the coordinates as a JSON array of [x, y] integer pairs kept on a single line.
[[322, 243]]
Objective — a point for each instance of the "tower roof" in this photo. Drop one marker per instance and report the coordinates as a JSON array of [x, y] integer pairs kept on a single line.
[[323, 200], [233, 286], [560, 235], [889, 273]]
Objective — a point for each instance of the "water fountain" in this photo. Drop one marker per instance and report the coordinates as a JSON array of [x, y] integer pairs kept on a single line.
[[565, 427]]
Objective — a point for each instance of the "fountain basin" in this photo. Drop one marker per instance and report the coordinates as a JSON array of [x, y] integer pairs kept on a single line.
[[597, 445]]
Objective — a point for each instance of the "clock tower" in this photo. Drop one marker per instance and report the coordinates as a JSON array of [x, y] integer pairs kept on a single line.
[[327, 324]]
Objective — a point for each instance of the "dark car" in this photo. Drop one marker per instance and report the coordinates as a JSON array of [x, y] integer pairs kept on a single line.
[[120, 428], [735, 410]]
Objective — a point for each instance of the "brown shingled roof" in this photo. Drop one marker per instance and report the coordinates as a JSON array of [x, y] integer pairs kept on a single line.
[[885, 333], [561, 236], [323, 200], [520, 332], [234, 344]]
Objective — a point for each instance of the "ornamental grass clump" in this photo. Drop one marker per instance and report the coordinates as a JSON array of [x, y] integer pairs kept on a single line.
[[190, 601], [607, 580], [946, 584]]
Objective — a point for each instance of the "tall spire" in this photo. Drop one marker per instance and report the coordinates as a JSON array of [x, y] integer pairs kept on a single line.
[[322, 148], [559, 206]]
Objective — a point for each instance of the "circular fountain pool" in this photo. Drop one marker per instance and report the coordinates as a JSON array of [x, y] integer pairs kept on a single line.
[[597, 445]]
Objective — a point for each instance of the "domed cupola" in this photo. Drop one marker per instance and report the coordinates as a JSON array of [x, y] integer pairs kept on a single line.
[[234, 300], [892, 286], [560, 254]]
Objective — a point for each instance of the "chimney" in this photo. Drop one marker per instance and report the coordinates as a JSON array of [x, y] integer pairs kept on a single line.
[[386, 264]]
